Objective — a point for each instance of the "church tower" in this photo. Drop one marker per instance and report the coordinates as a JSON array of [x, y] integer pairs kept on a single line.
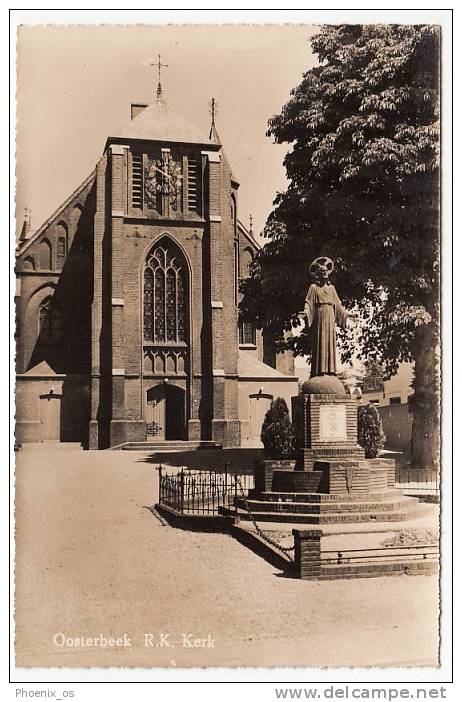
[[164, 309]]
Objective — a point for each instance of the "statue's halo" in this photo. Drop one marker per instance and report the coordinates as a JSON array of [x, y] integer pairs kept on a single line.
[[321, 262]]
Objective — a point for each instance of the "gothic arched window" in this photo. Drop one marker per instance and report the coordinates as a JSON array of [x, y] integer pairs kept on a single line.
[[49, 322], [246, 262], [45, 257], [164, 295]]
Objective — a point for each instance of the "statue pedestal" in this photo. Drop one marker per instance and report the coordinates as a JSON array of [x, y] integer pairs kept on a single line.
[[332, 482], [326, 428]]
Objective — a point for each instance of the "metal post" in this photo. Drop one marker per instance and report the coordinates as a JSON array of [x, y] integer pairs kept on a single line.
[[225, 491], [159, 469], [181, 491], [236, 511]]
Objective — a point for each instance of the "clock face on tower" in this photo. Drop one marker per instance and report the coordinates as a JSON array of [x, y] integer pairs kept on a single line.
[[163, 177]]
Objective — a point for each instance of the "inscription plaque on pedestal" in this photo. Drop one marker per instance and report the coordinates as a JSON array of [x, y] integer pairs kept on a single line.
[[332, 423]]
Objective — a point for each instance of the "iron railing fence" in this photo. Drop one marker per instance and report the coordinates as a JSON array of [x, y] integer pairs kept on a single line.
[[416, 481], [386, 553], [192, 491]]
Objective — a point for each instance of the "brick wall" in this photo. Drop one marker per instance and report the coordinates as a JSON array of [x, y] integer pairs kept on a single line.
[[307, 553], [68, 281], [306, 411]]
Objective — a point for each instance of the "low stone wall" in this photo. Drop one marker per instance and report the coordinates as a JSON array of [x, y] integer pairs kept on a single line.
[[309, 563], [196, 522]]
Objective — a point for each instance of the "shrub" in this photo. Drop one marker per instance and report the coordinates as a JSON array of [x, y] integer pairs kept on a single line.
[[370, 431], [276, 432]]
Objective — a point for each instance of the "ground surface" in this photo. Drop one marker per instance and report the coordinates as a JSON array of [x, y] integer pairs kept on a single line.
[[91, 560]]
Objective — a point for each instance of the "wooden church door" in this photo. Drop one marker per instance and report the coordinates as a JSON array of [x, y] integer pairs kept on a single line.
[[50, 417], [155, 413], [258, 406]]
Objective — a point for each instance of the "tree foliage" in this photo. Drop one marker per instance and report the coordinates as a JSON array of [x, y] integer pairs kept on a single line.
[[276, 433], [370, 430], [363, 189]]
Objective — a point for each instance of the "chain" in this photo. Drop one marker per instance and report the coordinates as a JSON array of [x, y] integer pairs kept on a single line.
[[285, 550]]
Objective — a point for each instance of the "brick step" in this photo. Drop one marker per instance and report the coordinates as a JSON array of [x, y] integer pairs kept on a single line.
[[322, 497], [329, 517], [46, 445], [165, 446], [374, 569], [307, 507]]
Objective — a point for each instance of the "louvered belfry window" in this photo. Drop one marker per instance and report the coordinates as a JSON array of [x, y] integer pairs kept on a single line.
[[164, 295], [137, 180], [192, 185]]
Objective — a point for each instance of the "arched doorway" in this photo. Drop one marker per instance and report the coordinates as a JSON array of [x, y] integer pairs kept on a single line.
[[165, 413]]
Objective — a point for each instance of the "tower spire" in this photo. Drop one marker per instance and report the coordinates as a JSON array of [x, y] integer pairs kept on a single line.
[[25, 231], [159, 65], [213, 135]]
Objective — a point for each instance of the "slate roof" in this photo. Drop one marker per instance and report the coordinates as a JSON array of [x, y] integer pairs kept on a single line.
[[250, 366], [159, 122]]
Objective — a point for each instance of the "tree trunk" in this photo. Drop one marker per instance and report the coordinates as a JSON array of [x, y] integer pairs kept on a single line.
[[425, 403]]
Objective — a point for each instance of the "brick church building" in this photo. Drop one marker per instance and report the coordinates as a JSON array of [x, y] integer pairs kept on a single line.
[[127, 301]]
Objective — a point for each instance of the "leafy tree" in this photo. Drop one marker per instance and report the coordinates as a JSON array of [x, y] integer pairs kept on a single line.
[[370, 430], [276, 433], [363, 189]]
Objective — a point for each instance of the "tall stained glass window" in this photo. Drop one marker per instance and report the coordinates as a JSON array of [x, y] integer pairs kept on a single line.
[[164, 297], [148, 307]]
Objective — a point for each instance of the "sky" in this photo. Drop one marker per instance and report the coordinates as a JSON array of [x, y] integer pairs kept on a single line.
[[75, 86]]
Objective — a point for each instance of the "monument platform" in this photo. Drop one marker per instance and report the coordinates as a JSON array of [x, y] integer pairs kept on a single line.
[[322, 509], [330, 481]]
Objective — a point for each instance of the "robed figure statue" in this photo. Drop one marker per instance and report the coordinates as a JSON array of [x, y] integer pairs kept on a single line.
[[323, 310]]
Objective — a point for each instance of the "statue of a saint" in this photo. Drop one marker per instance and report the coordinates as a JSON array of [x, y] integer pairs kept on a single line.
[[323, 310]]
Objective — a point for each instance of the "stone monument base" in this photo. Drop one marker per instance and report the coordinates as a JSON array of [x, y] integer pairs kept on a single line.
[[330, 481], [333, 492], [334, 477]]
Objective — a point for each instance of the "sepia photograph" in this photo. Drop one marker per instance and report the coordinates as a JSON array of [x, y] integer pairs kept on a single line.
[[228, 255]]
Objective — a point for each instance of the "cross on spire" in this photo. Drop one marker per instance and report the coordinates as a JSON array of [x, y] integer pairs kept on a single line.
[[159, 65], [212, 112], [250, 224]]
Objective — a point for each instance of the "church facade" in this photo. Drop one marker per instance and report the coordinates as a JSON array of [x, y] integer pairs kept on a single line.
[[127, 301]]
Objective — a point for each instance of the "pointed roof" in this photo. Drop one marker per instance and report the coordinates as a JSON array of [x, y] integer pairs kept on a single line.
[[26, 228], [213, 135], [159, 122], [214, 138]]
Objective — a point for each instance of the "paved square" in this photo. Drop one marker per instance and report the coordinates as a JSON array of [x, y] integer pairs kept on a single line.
[[92, 561]]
